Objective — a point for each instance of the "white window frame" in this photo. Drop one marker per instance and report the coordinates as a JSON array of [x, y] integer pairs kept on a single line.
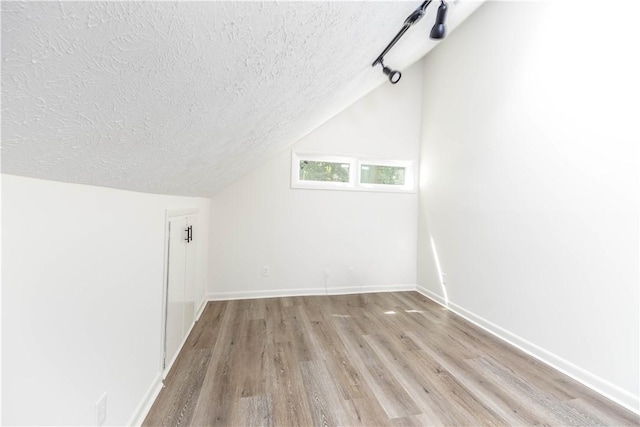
[[355, 164]]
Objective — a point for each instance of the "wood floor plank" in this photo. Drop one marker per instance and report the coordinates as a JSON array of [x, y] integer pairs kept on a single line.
[[322, 395], [499, 399], [443, 400], [366, 359], [556, 411], [470, 340], [276, 321], [419, 420], [218, 394], [256, 309], [365, 412], [285, 385], [252, 358], [395, 401], [494, 395], [315, 307], [304, 343], [418, 384], [253, 411], [338, 359], [204, 336], [177, 400], [601, 413]]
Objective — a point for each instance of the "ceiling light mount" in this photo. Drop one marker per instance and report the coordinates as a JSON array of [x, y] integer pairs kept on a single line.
[[438, 32]]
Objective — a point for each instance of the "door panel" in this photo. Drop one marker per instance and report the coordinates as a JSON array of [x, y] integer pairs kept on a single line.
[[190, 275], [174, 328]]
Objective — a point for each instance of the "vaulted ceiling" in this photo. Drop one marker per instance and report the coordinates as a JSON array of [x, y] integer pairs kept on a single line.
[[184, 97]]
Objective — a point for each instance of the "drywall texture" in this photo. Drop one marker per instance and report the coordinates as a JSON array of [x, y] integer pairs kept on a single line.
[[530, 183], [82, 279], [316, 238], [184, 97]]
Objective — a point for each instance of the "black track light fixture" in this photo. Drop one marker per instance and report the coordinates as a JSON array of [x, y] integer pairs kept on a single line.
[[438, 32], [394, 76]]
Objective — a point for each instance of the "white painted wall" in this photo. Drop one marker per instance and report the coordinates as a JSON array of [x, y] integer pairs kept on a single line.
[[82, 282], [301, 234], [529, 182]]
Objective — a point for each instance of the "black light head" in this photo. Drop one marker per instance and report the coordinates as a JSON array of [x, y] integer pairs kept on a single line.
[[394, 76], [439, 30]]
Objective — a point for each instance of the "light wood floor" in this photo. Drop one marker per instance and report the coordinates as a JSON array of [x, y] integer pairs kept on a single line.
[[372, 359]]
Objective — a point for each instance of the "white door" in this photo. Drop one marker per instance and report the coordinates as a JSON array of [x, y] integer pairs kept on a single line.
[[190, 275], [174, 304], [180, 294]]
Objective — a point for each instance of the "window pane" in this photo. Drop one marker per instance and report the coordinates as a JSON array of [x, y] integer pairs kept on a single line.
[[324, 171], [376, 174]]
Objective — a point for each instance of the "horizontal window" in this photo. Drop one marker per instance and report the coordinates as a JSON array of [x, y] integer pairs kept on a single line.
[[320, 171], [384, 175], [314, 170]]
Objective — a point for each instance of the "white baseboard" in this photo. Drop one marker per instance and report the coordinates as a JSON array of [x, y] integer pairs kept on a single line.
[[147, 401], [201, 309], [433, 296], [594, 382], [275, 293]]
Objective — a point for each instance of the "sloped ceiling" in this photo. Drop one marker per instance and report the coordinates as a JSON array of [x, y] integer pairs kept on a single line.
[[184, 97]]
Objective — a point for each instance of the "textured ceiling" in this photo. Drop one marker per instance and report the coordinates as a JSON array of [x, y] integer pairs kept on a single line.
[[184, 97]]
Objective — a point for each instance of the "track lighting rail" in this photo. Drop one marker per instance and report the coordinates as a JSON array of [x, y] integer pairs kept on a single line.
[[415, 16], [437, 32]]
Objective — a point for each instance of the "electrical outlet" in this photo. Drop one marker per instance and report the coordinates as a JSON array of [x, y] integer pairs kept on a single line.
[[101, 410], [265, 271]]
